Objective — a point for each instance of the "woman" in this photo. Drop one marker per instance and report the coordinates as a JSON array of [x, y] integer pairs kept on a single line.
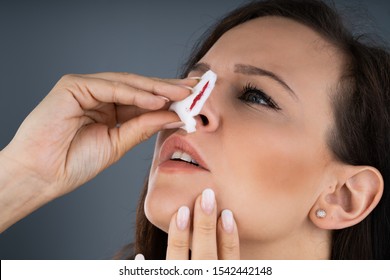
[[301, 162], [290, 147]]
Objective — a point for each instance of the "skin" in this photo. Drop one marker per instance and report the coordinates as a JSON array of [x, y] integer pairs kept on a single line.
[[48, 157], [269, 167]]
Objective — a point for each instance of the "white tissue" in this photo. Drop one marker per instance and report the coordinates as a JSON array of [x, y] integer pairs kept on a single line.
[[189, 107]]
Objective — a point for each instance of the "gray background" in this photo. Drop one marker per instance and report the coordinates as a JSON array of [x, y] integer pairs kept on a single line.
[[42, 40]]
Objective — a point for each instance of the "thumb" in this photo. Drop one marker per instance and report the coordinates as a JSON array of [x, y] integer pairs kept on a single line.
[[141, 128]]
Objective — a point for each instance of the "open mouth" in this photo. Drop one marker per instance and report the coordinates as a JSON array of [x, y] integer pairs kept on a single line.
[[178, 155], [184, 157]]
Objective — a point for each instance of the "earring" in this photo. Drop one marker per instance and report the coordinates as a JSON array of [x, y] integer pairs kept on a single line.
[[321, 213]]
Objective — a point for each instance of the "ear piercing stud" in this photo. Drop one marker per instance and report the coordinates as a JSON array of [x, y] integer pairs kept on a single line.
[[321, 213]]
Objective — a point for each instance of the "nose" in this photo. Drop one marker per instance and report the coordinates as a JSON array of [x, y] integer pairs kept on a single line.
[[208, 119]]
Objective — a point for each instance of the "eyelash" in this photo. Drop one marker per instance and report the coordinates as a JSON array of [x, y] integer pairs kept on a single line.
[[252, 95]]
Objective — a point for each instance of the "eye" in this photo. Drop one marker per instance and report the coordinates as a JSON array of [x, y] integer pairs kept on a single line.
[[252, 95]]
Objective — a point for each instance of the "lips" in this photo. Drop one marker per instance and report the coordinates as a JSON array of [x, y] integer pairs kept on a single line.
[[176, 148]]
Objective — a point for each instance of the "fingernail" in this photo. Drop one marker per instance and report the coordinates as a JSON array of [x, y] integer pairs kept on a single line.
[[187, 87], [208, 201], [166, 99], [194, 78], [227, 220], [139, 257], [182, 217], [173, 125]]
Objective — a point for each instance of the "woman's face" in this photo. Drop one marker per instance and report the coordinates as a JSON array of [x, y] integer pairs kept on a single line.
[[262, 137]]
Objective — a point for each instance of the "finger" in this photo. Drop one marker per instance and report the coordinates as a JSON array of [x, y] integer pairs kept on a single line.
[[204, 243], [139, 129], [90, 93], [179, 235], [129, 78], [187, 82], [125, 112], [228, 241], [173, 89]]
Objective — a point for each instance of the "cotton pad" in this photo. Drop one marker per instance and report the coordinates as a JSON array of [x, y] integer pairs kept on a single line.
[[190, 107]]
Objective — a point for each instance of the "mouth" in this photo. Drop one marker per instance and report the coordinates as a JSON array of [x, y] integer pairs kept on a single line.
[[178, 154], [183, 156]]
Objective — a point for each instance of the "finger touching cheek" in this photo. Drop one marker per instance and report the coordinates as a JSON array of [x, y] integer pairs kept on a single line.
[[179, 235], [204, 241], [228, 241]]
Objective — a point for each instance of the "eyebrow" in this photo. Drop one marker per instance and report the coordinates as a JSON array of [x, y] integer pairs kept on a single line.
[[249, 70], [200, 67]]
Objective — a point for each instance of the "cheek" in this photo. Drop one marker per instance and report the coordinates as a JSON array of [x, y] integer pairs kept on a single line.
[[270, 180], [160, 205]]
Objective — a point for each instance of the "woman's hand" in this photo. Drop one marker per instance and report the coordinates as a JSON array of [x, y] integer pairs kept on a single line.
[[85, 124], [208, 237]]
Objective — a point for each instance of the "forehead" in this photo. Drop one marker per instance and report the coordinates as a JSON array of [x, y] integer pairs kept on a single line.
[[276, 34], [282, 45]]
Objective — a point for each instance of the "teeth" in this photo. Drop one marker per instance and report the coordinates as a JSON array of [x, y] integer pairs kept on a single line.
[[176, 155], [184, 157]]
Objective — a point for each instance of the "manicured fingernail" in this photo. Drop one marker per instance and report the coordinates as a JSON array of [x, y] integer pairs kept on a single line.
[[166, 99], [227, 220], [173, 125], [187, 87], [208, 201], [182, 217], [139, 257], [194, 78]]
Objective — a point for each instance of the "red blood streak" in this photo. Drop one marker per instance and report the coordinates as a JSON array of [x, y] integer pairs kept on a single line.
[[199, 96]]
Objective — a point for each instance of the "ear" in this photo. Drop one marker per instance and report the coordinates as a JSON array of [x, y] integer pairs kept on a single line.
[[350, 200]]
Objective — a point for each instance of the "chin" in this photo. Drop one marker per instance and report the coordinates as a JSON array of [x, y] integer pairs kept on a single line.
[[168, 192]]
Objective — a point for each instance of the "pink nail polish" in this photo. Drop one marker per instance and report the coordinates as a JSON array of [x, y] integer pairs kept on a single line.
[[182, 217], [227, 220], [208, 201]]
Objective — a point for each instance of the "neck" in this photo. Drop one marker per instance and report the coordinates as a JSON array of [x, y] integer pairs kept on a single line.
[[314, 245]]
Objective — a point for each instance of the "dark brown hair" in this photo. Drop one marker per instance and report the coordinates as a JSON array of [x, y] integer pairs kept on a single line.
[[362, 122]]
